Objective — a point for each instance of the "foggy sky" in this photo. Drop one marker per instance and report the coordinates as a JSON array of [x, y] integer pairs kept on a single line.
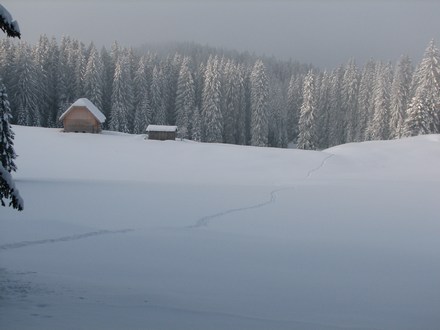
[[325, 33]]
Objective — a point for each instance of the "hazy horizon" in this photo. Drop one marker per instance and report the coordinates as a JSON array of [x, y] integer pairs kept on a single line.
[[323, 33]]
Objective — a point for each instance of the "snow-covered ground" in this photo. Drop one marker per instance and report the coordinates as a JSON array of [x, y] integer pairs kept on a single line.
[[123, 233]]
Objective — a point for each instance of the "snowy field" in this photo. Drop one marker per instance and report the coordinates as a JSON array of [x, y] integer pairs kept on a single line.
[[123, 233]]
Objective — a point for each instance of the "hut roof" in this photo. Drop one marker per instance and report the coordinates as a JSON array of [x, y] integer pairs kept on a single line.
[[161, 128], [90, 106]]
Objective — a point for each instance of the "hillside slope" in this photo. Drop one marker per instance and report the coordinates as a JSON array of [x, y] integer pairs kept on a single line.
[[121, 232]]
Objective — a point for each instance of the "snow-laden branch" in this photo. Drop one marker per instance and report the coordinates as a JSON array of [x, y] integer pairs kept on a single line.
[[7, 24], [9, 191]]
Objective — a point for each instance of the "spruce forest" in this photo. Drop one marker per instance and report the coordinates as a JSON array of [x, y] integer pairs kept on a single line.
[[214, 95]]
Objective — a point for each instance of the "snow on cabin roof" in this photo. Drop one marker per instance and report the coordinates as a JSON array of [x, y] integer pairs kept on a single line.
[[161, 128], [90, 106]]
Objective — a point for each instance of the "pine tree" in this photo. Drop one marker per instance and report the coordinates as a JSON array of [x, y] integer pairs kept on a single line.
[[323, 111], [212, 118], [196, 125], [308, 138], [43, 65], [259, 106], [278, 116], [400, 96], [26, 89], [122, 97], [7, 153], [379, 126], [423, 115], [157, 100], [336, 134], [66, 78], [232, 105], [77, 62], [365, 100], [350, 92], [185, 100], [8, 190], [93, 78], [294, 102], [143, 112]]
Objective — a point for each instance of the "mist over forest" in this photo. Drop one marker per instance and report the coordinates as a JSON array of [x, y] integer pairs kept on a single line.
[[225, 96]]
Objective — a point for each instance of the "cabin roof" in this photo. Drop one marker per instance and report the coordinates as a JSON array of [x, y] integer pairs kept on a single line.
[[89, 105], [161, 128]]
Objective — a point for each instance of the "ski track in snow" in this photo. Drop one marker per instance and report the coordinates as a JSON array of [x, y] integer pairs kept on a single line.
[[203, 222], [316, 169], [18, 245], [206, 220]]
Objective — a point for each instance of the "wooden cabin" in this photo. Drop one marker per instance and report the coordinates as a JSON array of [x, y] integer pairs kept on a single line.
[[83, 116], [161, 132]]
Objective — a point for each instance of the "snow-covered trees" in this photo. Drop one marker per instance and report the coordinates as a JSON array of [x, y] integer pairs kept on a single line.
[[93, 77], [259, 106], [350, 92], [308, 137], [379, 125], [185, 100], [8, 191], [400, 96], [157, 98], [142, 107], [122, 97], [26, 88], [423, 115], [212, 118], [7, 155], [241, 100]]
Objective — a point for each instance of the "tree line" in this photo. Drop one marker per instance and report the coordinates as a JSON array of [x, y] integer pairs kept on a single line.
[[221, 96]]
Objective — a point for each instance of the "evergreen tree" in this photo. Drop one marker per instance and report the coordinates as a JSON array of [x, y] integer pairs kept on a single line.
[[196, 125], [278, 116], [8, 190], [122, 97], [212, 118], [107, 82], [43, 66], [26, 89], [335, 108], [7, 153], [77, 62], [157, 100], [350, 92], [93, 78], [308, 138], [143, 112], [240, 99], [66, 78], [379, 126], [185, 100], [323, 111], [294, 102], [365, 99], [423, 115], [259, 106], [232, 105], [53, 74], [400, 96]]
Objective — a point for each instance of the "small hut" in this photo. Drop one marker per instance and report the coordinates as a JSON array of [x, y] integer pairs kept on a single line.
[[161, 132], [82, 116]]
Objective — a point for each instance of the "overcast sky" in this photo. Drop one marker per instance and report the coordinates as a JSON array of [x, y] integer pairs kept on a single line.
[[322, 32]]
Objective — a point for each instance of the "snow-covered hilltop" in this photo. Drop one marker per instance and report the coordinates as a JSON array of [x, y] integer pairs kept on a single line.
[[122, 232]]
